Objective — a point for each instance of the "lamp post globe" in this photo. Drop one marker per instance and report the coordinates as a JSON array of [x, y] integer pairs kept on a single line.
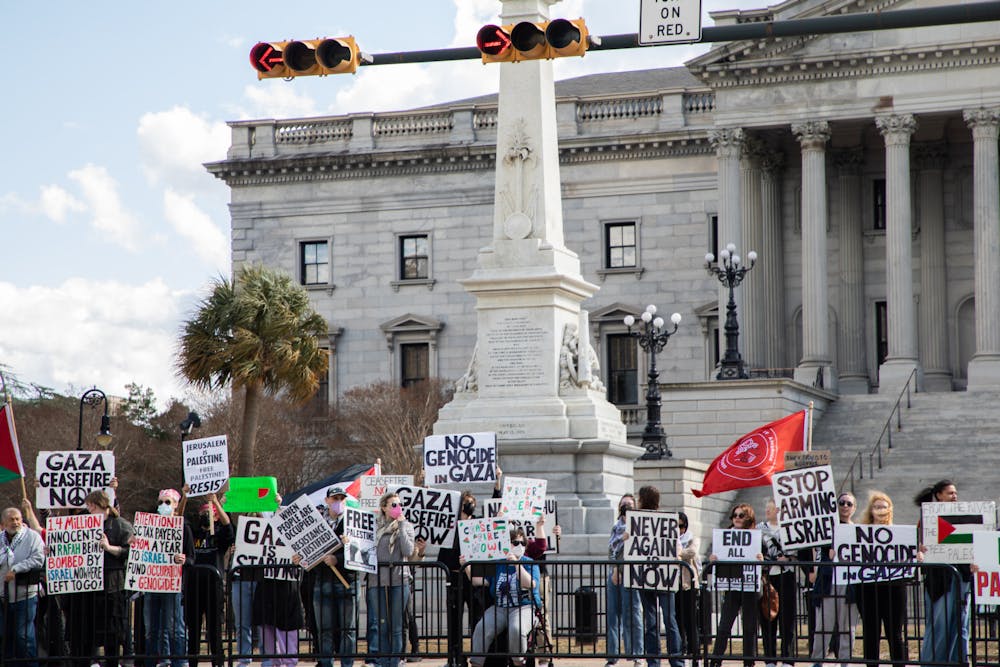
[[652, 337]]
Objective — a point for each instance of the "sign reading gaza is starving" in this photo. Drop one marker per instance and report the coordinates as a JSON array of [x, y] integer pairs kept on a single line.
[[468, 457]]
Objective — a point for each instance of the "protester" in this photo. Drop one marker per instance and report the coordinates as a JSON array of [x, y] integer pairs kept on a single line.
[[882, 603], [203, 585], [783, 578], [101, 614], [688, 597], [471, 596], [335, 592], [836, 614], [657, 603], [163, 613], [21, 564], [277, 609], [947, 598], [388, 588], [515, 589], [624, 609], [733, 602], [411, 634], [243, 583]]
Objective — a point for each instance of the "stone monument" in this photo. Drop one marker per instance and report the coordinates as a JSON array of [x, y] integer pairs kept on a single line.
[[534, 378]]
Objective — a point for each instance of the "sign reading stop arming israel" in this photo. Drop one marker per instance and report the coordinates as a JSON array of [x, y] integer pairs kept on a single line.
[[947, 529]]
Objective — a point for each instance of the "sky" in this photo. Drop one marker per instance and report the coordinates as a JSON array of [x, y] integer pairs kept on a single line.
[[112, 229]]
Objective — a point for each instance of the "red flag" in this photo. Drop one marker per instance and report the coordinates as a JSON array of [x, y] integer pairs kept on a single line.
[[11, 466], [752, 458], [354, 488]]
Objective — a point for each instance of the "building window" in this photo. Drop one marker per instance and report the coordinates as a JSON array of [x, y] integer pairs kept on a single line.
[[414, 361], [619, 245], [713, 236], [314, 262], [414, 261], [878, 203], [623, 370], [881, 332], [319, 405]]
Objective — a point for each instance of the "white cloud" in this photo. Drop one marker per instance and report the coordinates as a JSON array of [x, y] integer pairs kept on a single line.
[[100, 192], [203, 237], [55, 203], [104, 333], [173, 145], [276, 101]]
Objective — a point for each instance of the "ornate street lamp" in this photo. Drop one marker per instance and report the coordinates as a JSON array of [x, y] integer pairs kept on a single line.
[[653, 338], [93, 398], [730, 274]]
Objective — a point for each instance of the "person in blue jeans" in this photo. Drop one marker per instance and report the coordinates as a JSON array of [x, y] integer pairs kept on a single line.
[[656, 603], [335, 597], [624, 609], [21, 553], [388, 588]]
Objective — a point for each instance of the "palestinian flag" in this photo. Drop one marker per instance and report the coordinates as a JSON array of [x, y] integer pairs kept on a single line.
[[354, 488], [11, 466], [958, 528]]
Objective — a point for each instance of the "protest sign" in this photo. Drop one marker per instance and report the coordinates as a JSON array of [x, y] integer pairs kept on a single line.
[[433, 513], [810, 459], [736, 544], [523, 498], [74, 560], [373, 487], [251, 494], [877, 546], [460, 458], [483, 539], [652, 537], [806, 499], [305, 531], [206, 464], [66, 478], [948, 528], [257, 543], [491, 509], [359, 529], [151, 567], [986, 552]]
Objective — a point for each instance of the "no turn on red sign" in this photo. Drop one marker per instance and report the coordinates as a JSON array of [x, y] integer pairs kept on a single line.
[[669, 22]]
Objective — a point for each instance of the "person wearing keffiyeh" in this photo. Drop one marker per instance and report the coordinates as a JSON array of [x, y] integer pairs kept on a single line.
[[21, 554]]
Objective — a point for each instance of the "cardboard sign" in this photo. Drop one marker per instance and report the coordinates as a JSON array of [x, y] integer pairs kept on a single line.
[[806, 499], [523, 498], [251, 494], [74, 560], [986, 582], [66, 478], [373, 487], [461, 458], [483, 539], [947, 529], [492, 507], [876, 546], [810, 459], [653, 536], [359, 529], [736, 544], [206, 464], [305, 531], [151, 567], [433, 513], [258, 543]]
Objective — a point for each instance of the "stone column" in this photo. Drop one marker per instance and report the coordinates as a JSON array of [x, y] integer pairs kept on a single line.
[[772, 257], [984, 369], [901, 313], [728, 143], [813, 136], [752, 311], [851, 358], [933, 307]]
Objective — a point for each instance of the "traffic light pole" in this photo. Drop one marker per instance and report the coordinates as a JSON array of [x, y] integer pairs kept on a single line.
[[965, 12]]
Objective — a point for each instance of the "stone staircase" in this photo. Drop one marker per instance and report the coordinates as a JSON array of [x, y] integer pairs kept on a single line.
[[944, 435]]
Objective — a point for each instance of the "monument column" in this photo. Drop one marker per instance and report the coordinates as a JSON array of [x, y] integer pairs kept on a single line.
[[772, 256], [851, 334], [984, 369], [728, 143], [752, 311], [816, 360], [901, 313], [933, 307]]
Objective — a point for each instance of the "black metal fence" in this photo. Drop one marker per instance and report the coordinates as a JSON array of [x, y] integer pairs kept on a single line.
[[481, 615]]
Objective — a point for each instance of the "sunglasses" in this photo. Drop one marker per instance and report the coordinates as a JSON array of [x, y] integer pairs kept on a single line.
[[739, 515], [518, 543], [845, 503], [393, 504], [164, 502]]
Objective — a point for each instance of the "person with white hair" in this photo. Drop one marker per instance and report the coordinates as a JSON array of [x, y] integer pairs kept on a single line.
[[21, 560]]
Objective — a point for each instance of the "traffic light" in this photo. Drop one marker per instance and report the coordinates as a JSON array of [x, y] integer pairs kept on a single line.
[[312, 57], [533, 41]]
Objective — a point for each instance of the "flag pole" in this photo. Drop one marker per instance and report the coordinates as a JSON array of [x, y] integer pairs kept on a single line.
[[809, 443], [10, 406]]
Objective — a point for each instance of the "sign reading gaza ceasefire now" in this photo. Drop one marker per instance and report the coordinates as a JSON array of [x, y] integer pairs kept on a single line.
[[433, 513], [74, 559], [986, 582], [151, 567], [206, 464], [491, 510], [257, 543], [736, 544], [483, 539], [876, 546], [359, 529], [66, 478], [305, 531], [806, 499], [652, 536], [948, 529], [464, 458]]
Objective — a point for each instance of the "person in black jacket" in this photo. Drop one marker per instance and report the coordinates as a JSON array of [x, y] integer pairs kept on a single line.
[[203, 587], [335, 593]]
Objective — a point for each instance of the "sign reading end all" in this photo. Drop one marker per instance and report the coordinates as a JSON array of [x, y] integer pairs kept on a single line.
[[669, 22]]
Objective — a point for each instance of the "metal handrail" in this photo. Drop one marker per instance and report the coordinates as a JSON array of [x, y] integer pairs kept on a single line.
[[886, 434]]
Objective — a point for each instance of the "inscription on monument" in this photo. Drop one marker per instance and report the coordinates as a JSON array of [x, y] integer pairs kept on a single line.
[[515, 359]]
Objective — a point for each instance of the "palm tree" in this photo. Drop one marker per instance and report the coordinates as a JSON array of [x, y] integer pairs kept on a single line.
[[258, 333]]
